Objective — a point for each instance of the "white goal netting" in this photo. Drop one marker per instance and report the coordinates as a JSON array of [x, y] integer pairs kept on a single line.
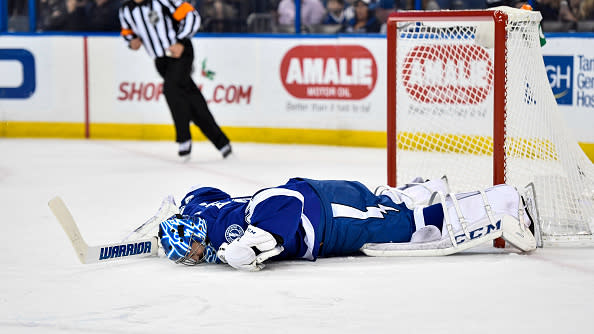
[[446, 112]]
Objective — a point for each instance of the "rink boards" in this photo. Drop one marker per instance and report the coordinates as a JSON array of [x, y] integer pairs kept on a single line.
[[321, 89]]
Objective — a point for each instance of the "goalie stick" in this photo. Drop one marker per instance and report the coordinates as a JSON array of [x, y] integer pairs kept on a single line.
[[102, 253]]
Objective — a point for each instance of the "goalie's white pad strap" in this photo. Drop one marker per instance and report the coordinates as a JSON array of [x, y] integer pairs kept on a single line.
[[446, 215], [461, 219], [419, 218], [488, 208]]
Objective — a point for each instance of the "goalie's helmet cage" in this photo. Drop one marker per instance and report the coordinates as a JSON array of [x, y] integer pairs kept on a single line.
[[177, 234], [469, 97]]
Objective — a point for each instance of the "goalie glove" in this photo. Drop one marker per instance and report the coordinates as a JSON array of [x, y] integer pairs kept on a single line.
[[241, 253]]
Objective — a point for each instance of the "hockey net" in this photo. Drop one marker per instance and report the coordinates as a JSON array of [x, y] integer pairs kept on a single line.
[[469, 97]]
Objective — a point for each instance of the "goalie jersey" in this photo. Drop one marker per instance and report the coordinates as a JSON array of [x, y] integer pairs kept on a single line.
[[309, 218]]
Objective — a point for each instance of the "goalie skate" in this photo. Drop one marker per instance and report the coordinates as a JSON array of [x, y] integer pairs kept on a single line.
[[470, 219]]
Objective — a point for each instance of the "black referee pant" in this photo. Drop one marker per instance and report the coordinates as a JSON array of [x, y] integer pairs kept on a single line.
[[185, 100]]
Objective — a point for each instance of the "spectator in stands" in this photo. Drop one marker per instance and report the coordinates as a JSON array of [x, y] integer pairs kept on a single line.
[[336, 12], [383, 9], [65, 15], [17, 7], [349, 9], [582, 10], [364, 20], [464, 4], [17, 15], [263, 6], [586, 10], [560, 15], [509, 3], [48, 11], [432, 5], [574, 6], [566, 13], [556, 15], [549, 9], [312, 12], [103, 15], [217, 15]]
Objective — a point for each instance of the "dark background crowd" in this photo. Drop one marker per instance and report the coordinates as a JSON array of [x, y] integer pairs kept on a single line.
[[278, 16]]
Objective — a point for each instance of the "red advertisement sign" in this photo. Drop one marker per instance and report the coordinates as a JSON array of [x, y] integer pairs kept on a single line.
[[329, 72], [448, 74]]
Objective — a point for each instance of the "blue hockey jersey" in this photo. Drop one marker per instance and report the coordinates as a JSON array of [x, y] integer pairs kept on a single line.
[[310, 218]]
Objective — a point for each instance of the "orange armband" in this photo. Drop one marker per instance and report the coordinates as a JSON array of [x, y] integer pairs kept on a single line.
[[181, 11]]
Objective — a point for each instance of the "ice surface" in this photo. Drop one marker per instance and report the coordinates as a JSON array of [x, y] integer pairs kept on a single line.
[[113, 186]]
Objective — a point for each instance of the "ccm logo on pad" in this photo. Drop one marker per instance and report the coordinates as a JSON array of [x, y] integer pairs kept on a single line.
[[479, 232], [448, 74], [329, 72]]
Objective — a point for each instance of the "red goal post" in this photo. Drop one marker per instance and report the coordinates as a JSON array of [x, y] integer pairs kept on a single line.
[[468, 96], [500, 20]]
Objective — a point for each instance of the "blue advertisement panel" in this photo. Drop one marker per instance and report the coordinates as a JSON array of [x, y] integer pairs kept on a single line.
[[559, 71]]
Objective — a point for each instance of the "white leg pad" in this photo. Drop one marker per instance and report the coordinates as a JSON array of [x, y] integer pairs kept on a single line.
[[470, 219], [475, 206]]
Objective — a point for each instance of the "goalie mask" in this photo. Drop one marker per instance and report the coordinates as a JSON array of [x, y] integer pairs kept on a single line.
[[182, 237]]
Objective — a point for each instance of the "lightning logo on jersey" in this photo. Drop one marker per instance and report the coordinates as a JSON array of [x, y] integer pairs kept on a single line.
[[379, 211]]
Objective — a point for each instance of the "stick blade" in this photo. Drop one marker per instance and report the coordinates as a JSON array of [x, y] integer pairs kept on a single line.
[[64, 217], [102, 253]]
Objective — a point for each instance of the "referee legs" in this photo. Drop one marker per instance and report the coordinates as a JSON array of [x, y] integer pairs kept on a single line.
[[186, 102]]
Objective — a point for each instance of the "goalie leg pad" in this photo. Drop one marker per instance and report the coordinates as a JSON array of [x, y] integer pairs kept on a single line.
[[470, 219]]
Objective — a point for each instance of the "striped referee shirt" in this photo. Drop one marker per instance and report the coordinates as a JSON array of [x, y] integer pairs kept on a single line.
[[158, 23]]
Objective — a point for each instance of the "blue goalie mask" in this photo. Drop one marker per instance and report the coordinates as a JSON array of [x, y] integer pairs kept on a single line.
[[183, 237]]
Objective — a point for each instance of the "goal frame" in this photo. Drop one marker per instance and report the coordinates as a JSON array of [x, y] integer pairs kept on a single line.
[[499, 19]]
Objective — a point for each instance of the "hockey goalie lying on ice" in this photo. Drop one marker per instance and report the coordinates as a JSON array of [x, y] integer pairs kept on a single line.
[[310, 218]]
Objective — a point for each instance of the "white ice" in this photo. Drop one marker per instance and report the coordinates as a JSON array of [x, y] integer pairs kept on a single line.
[[113, 186]]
